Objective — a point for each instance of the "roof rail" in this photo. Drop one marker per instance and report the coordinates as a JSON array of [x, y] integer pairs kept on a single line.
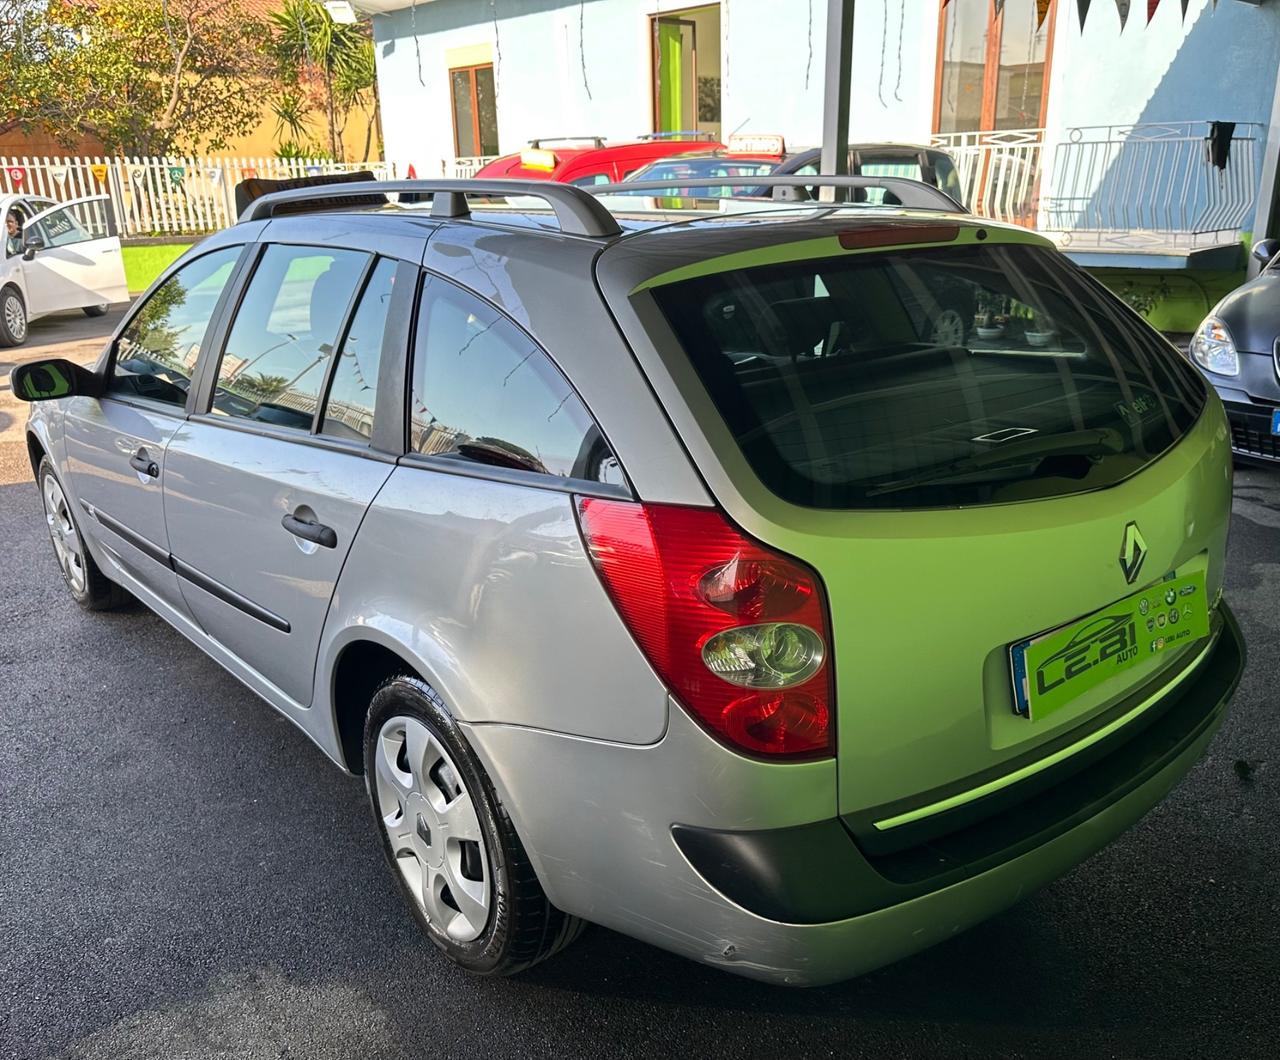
[[595, 141], [579, 214], [912, 194], [692, 134]]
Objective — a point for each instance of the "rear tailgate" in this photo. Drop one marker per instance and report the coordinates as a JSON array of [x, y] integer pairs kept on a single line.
[[925, 606], [928, 589]]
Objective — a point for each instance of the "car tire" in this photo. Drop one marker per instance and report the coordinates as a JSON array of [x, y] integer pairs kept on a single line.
[[95, 310], [444, 828], [13, 317], [89, 587]]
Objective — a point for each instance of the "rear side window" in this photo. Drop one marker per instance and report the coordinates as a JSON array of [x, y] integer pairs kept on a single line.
[[157, 352], [953, 375], [277, 355], [485, 394]]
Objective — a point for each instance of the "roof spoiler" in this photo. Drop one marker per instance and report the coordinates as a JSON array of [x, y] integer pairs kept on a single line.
[[256, 187]]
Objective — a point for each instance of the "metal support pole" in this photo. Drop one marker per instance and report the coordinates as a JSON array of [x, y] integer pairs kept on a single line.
[[1266, 220], [835, 94]]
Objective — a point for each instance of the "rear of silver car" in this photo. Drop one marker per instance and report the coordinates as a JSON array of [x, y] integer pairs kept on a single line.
[[762, 850]]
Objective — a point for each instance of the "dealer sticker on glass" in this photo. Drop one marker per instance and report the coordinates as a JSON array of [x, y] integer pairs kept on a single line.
[[1051, 670]]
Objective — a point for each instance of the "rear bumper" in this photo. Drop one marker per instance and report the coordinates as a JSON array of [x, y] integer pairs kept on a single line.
[[750, 887], [787, 874]]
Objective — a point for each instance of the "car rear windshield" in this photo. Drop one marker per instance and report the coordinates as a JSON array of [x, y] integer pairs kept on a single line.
[[951, 375]]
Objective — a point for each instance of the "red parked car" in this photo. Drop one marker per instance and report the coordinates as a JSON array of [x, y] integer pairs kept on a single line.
[[587, 160]]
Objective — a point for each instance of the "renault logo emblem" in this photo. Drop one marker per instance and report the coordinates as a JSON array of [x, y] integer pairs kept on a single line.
[[1132, 552]]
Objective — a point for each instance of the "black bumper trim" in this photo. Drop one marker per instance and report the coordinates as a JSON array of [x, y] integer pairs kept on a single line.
[[819, 873]]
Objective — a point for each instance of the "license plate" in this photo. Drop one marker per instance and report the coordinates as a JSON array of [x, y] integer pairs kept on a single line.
[[1275, 422], [1052, 669]]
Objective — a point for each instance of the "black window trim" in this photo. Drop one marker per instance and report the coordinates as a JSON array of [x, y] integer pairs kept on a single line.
[[513, 476]]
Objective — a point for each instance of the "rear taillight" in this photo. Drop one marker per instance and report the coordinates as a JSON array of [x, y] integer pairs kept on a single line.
[[737, 631]]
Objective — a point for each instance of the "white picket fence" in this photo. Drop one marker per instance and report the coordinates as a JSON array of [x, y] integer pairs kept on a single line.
[[162, 196]]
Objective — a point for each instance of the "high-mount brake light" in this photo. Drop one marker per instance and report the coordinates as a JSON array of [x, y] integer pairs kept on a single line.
[[739, 633]]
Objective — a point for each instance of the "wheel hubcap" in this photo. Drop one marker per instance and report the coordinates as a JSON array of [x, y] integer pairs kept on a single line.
[[435, 835], [67, 545], [15, 317]]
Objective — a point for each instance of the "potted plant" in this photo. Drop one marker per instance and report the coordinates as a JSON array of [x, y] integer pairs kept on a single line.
[[1040, 330], [985, 320]]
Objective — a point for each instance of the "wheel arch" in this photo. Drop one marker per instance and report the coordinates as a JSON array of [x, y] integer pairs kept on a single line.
[[361, 663], [36, 451]]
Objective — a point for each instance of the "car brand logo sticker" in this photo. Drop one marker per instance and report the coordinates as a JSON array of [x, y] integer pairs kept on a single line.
[[1133, 550]]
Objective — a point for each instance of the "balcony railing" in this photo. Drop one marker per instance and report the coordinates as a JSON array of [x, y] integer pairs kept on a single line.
[[1150, 187], [999, 171]]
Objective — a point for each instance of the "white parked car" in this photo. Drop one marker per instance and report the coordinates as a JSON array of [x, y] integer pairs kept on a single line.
[[56, 256]]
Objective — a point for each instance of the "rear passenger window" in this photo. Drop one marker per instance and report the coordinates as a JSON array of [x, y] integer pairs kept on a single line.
[[286, 330], [348, 412], [157, 351], [484, 393]]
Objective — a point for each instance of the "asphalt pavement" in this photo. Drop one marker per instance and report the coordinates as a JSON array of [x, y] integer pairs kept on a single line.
[[183, 875]]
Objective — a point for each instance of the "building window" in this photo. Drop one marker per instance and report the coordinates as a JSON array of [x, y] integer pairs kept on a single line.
[[993, 68], [475, 111]]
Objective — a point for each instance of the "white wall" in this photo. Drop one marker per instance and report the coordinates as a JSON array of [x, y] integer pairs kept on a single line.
[[538, 64], [770, 47], [538, 48], [1218, 65]]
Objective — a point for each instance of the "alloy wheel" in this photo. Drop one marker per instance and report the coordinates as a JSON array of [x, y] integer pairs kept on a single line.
[[434, 831], [15, 316], [67, 545]]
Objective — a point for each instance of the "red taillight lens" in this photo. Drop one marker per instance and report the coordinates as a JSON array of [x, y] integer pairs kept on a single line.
[[679, 576]]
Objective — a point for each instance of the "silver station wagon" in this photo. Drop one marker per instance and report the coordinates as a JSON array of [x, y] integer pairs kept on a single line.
[[789, 586]]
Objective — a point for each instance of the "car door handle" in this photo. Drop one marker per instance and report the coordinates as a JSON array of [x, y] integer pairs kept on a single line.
[[142, 463], [317, 533]]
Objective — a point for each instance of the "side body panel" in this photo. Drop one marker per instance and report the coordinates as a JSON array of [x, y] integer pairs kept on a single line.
[[488, 587], [226, 492], [121, 509]]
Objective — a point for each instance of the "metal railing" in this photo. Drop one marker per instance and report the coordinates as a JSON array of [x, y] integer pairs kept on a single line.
[[1150, 186], [999, 171], [157, 196]]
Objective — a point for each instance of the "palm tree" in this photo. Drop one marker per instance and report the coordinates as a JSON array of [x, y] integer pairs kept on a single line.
[[333, 59]]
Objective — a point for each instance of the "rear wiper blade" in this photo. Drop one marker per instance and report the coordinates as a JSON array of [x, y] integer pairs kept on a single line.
[[1092, 443]]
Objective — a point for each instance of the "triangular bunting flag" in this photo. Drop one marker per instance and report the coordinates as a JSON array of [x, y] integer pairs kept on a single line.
[[214, 173], [1151, 10], [138, 174], [59, 174], [1123, 7], [17, 175], [412, 174], [248, 173], [1042, 9], [176, 173], [1083, 6], [99, 172], [1185, 5]]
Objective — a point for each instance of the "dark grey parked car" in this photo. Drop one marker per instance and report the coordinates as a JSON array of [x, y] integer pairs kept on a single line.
[[1238, 347]]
